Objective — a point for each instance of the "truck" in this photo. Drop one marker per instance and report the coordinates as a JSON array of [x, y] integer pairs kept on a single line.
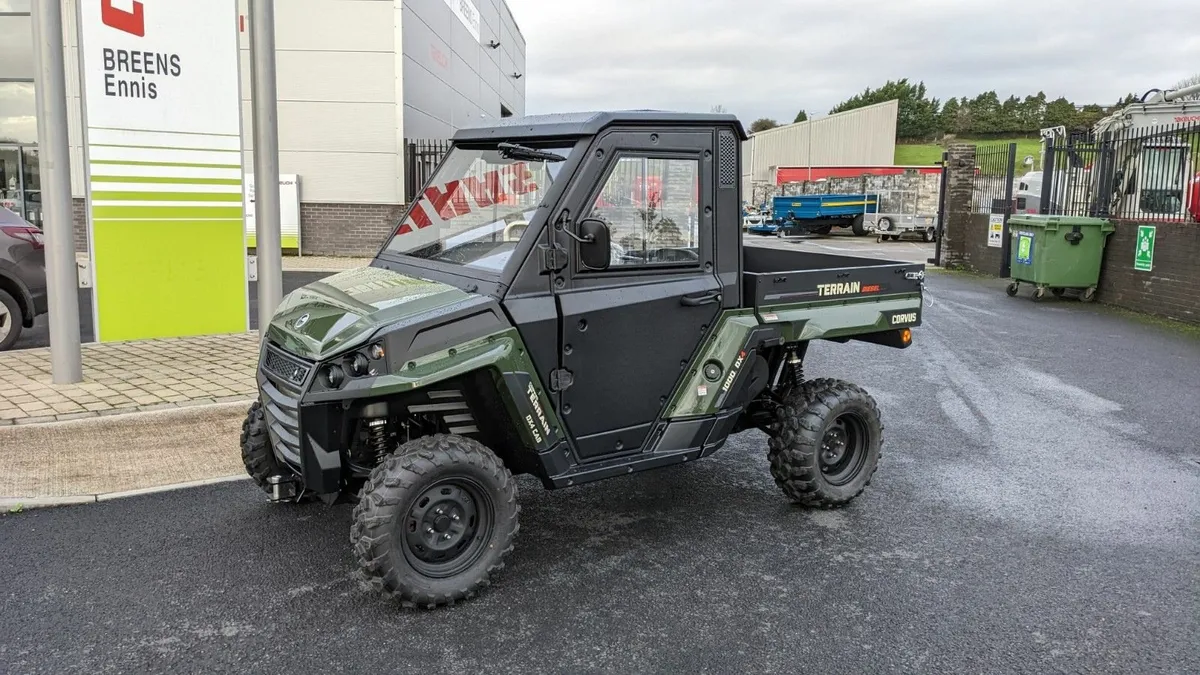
[[818, 214], [1153, 175], [610, 333]]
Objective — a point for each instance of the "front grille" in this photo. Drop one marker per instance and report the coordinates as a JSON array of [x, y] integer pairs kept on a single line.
[[281, 390], [291, 370]]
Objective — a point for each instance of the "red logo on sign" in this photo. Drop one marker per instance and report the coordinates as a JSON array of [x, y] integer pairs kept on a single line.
[[133, 22]]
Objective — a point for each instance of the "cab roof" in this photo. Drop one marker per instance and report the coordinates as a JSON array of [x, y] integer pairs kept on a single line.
[[590, 124]]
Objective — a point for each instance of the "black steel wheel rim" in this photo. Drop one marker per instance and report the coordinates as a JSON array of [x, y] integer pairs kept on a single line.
[[844, 448], [447, 527]]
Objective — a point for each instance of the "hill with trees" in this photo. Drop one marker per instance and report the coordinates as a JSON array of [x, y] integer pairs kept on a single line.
[[922, 117]]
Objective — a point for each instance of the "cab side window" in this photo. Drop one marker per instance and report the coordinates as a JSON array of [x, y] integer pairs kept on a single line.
[[651, 207]]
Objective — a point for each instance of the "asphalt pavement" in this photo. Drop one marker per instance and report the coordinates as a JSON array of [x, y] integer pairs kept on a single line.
[[1036, 510], [39, 334]]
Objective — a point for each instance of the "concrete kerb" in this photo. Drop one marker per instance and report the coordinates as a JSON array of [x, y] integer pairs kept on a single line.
[[13, 505], [113, 425]]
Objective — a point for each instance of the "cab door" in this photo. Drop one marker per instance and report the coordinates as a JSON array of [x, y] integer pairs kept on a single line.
[[629, 331]]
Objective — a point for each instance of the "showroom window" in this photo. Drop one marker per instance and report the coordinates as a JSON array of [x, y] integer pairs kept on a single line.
[[19, 184]]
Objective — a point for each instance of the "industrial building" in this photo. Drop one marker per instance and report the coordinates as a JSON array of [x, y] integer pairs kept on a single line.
[[356, 79], [862, 137]]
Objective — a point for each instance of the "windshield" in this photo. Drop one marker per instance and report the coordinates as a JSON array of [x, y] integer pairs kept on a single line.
[[477, 206], [1162, 180]]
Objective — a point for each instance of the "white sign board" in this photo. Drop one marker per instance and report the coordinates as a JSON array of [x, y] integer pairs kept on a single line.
[[163, 160], [289, 210], [468, 14], [995, 230]]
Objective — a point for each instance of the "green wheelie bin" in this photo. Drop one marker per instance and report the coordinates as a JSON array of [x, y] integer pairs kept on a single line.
[[1057, 253]]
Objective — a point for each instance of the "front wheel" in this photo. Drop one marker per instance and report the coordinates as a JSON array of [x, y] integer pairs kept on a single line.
[[434, 521], [826, 445], [929, 235]]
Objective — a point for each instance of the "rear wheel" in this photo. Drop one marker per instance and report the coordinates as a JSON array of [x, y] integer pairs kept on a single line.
[[1088, 295], [435, 520], [826, 444], [12, 320], [858, 226], [1012, 289], [929, 235]]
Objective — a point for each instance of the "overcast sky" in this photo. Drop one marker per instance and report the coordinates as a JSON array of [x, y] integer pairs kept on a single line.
[[773, 57]]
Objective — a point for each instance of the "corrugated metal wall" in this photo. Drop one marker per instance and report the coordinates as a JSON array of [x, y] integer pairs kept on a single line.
[[866, 136]]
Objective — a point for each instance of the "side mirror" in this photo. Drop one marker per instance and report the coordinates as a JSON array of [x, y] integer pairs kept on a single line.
[[595, 251]]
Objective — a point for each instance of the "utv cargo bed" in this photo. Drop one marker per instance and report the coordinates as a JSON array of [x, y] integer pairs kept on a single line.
[[774, 277]]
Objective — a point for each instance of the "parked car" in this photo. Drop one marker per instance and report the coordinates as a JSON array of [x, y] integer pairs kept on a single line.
[[22, 276]]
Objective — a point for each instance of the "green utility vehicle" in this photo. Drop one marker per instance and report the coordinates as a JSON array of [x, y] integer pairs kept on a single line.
[[569, 298]]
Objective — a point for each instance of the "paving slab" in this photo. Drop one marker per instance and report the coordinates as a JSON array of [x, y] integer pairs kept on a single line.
[[130, 376]]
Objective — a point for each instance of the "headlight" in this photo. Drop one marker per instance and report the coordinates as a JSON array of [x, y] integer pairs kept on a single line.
[[375, 351], [359, 365], [333, 376]]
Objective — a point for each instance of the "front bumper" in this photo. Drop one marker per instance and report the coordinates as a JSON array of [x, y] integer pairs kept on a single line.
[[307, 438], [282, 381]]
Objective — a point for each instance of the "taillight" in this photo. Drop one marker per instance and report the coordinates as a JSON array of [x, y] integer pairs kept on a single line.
[[30, 234]]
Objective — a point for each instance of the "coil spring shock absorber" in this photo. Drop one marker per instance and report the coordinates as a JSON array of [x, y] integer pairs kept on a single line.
[[795, 367], [377, 439]]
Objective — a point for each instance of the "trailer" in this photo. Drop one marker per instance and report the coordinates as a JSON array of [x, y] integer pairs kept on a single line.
[[899, 215], [818, 214]]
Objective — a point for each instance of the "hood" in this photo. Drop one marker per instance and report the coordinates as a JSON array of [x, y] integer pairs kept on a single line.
[[343, 310]]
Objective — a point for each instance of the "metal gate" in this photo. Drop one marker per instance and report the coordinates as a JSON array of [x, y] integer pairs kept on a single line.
[[995, 174], [421, 157]]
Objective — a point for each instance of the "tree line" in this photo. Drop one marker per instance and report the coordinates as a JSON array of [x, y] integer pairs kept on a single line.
[[922, 117]]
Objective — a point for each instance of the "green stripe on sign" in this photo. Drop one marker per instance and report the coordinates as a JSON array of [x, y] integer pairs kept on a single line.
[[169, 180], [159, 147], [189, 165], [167, 196], [166, 212]]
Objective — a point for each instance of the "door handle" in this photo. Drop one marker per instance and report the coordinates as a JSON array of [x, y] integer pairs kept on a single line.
[[697, 300]]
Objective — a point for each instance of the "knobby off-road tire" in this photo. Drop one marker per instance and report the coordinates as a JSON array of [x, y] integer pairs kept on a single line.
[[435, 521], [256, 447], [806, 461]]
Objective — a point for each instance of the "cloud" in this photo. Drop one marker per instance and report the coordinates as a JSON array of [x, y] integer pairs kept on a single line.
[[773, 57]]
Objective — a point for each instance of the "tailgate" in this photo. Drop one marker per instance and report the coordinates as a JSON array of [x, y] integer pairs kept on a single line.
[[767, 289]]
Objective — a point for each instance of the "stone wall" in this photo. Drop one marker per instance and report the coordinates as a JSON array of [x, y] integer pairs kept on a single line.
[[898, 193], [325, 229]]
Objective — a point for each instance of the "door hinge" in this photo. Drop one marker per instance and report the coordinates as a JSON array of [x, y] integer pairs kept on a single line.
[[554, 257], [560, 379]]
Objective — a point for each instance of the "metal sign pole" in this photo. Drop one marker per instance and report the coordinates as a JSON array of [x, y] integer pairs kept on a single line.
[[54, 157], [267, 237]]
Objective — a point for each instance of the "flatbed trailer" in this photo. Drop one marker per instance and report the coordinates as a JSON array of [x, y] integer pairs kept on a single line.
[[819, 214]]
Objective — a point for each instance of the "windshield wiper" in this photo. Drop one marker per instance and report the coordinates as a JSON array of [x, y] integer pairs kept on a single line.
[[514, 151]]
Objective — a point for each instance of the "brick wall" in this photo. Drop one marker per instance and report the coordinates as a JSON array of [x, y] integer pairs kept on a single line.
[[1171, 288], [972, 250], [325, 229], [346, 229], [79, 218]]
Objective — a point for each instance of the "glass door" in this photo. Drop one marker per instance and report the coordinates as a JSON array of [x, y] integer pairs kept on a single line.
[[12, 191], [32, 180]]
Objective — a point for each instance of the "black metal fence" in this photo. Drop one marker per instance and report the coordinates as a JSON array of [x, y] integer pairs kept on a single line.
[[421, 157], [994, 168], [1146, 174]]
